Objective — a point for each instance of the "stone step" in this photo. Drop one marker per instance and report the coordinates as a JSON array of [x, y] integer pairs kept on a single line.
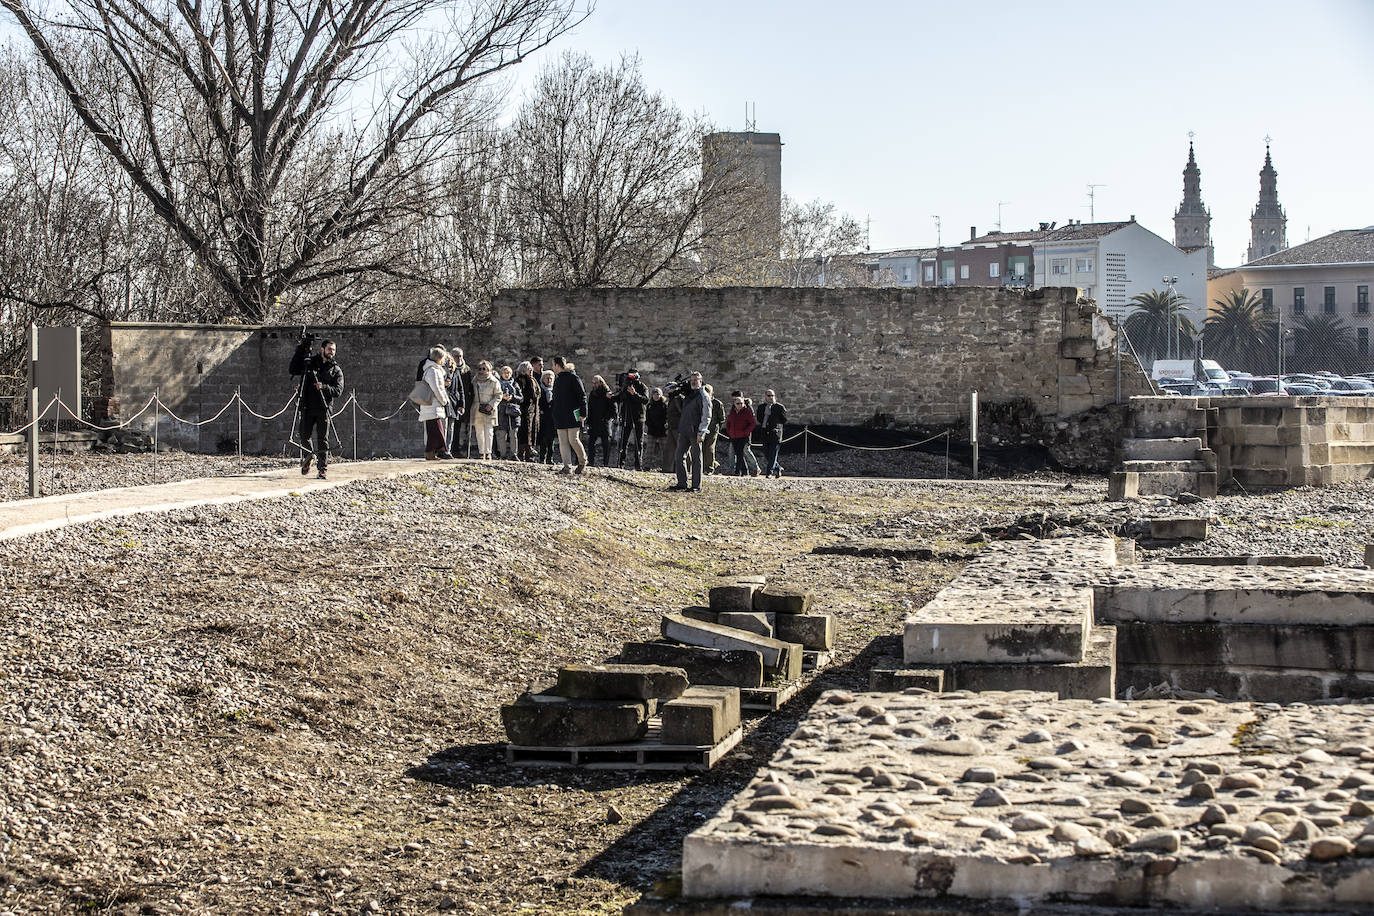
[[721, 667], [1259, 685], [1018, 623], [1332, 596], [1177, 448], [1131, 484], [737, 596], [781, 658], [1189, 466], [1092, 678]]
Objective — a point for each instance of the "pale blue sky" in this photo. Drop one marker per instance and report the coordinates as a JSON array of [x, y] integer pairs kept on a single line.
[[900, 110]]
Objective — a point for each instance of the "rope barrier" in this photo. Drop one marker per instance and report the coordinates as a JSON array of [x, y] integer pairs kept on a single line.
[[874, 448], [221, 413], [42, 413], [63, 406], [289, 402], [390, 416]]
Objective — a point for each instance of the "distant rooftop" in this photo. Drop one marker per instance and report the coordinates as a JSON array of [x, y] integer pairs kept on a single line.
[[1069, 233], [1348, 246], [904, 253]]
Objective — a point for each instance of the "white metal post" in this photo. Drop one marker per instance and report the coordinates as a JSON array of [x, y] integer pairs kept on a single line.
[[973, 429], [354, 397]]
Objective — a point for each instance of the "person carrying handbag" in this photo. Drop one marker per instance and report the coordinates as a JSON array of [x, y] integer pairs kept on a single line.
[[486, 396], [433, 399]]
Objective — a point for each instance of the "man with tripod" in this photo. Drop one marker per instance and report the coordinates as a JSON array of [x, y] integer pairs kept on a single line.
[[321, 382]]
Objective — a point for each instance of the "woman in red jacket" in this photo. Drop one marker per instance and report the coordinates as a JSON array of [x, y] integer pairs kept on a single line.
[[738, 425]]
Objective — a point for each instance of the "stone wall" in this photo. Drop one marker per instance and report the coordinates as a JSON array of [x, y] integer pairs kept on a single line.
[[838, 356], [1270, 441]]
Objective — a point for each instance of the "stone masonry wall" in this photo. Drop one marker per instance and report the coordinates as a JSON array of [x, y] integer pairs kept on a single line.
[[1270, 441], [834, 355]]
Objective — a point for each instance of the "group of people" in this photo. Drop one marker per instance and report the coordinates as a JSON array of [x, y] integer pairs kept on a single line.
[[529, 409], [677, 428]]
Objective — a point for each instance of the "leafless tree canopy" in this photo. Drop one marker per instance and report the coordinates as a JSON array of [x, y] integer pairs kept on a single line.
[[288, 144], [606, 180]]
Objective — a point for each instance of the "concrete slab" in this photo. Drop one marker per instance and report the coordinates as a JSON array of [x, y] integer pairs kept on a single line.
[[723, 667], [544, 720], [620, 682], [1319, 596], [1008, 623], [737, 596], [752, 621], [1178, 529], [1252, 560], [896, 679], [782, 599], [1282, 646], [779, 657], [1038, 802]]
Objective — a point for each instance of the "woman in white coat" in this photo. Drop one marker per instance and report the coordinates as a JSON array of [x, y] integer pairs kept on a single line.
[[486, 396], [432, 414]]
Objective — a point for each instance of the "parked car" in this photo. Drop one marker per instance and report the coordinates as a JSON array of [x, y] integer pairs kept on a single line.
[[1267, 385], [1298, 390], [1358, 387]]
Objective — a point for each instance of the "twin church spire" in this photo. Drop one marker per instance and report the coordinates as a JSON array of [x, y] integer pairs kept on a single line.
[[1268, 222]]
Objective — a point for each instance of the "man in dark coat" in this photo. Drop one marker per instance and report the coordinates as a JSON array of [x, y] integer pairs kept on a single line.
[[674, 413], [708, 447], [569, 410], [633, 403], [691, 431], [772, 416], [321, 382], [527, 436]]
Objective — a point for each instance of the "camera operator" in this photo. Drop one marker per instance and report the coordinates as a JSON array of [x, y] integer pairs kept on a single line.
[[321, 382], [633, 401]]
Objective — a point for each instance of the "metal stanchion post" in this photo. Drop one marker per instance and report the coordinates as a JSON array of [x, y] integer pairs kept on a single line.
[[806, 441], [973, 429], [946, 454], [354, 396], [157, 421], [238, 396], [33, 410]]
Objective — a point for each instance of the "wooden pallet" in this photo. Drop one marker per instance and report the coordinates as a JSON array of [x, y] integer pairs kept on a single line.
[[649, 754], [763, 700]]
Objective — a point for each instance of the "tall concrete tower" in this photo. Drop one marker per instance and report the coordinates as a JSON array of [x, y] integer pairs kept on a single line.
[[751, 162], [1192, 220], [1268, 223]]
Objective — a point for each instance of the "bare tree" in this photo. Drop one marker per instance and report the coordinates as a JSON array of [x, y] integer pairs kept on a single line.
[[606, 180], [820, 246], [287, 142]]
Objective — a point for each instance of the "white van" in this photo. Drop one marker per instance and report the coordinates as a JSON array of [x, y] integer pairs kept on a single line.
[[1185, 368]]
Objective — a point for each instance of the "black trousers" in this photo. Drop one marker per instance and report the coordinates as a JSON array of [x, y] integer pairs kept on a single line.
[[316, 422], [635, 428]]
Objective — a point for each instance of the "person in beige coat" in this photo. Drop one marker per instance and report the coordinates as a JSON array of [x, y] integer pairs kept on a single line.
[[486, 396]]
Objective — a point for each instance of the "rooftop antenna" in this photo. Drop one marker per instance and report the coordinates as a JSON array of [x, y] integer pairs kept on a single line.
[[1092, 193], [1000, 205], [938, 243], [868, 232], [751, 122]]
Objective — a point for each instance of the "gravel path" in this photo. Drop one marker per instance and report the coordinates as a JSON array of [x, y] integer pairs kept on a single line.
[[291, 706]]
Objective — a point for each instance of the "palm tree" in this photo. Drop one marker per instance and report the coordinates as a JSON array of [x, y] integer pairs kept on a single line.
[[1236, 333], [1323, 342], [1160, 316]]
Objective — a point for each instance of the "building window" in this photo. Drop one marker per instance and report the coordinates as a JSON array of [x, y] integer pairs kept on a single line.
[[1266, 300], [930, 273], [906, 274], [1362, 300], [1362, 341], [1084, 265], [1299, 299], [994, 270], [1329, 300], [1018, 268], [947, 271], [963, 271], [1059, 266]]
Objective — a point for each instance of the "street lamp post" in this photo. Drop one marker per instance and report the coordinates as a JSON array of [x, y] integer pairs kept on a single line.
[[1172, 343]]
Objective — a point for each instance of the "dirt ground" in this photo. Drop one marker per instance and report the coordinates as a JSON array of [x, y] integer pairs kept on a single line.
[[292, 706]]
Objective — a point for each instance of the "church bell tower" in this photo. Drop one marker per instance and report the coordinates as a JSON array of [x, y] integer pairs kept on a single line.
[[1268, 222], [1192, 220]]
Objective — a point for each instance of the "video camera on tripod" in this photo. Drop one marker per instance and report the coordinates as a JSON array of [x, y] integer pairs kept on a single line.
[[623, 379], [678, 383]]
